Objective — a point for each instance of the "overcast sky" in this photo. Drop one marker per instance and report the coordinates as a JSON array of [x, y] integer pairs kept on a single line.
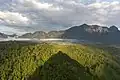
[[20, 16]]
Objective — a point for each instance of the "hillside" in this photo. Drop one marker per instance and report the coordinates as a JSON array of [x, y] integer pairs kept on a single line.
[[52, 61]]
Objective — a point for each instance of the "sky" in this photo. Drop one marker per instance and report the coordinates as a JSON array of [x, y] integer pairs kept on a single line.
[[21, 16]]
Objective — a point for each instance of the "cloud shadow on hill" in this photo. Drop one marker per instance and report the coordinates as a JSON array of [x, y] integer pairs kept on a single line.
[[61, 67]]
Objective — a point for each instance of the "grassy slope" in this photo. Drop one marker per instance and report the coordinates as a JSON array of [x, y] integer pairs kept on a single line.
[[28, 61]]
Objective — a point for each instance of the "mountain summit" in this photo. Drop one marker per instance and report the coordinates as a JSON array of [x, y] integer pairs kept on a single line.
[[94, 33]]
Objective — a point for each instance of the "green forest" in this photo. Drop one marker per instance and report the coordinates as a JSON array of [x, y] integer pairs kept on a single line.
[[52, 61]]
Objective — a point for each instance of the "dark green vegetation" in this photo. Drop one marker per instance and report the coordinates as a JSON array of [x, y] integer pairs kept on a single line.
[[45, 61]]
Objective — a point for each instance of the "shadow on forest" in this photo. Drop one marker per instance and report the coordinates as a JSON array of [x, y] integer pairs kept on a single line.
[[61, 67]]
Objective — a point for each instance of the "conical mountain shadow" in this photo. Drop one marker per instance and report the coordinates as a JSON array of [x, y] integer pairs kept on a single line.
[[61, 67]]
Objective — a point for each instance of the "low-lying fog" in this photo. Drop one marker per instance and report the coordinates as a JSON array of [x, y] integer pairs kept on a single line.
[[42, 40]]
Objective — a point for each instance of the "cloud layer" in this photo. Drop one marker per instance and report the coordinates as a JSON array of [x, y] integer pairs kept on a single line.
[[13, 18], [32, 15]]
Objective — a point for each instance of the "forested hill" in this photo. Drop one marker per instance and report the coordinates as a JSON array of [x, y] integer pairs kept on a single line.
[[51, 61]]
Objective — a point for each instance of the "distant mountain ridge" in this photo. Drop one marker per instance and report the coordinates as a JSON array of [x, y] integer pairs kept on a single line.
[[2, 35], [43, 35], [92, 33]]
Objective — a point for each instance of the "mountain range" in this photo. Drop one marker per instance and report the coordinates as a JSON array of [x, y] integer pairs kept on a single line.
[[93, 33]]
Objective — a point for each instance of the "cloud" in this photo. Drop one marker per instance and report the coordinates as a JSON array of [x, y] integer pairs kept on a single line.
[[106, 13], [47, 15], [34, 4], [13, 18], [10, 30]]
